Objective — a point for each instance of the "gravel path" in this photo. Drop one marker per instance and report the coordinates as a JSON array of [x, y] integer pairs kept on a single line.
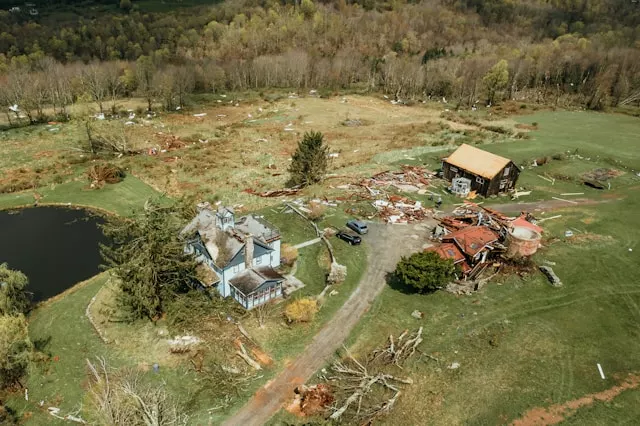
[[386, 244]]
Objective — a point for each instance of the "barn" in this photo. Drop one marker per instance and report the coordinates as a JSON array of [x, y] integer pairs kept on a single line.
[[488, 173]]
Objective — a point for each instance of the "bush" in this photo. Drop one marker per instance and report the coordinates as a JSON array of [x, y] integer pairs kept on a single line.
[[425, 271], [301, 310], [317, 211], [288, 254]]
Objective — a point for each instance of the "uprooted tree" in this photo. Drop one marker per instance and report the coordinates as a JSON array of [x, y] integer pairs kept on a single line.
[[14, 299], [310, 161], [424, 271], [122, 398], [363, 390], [147, 256]]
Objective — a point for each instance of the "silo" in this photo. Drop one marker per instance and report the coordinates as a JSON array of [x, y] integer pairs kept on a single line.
[[522, 242]]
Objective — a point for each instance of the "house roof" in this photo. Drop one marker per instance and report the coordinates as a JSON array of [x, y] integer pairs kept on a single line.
[[257, 227], [472, 239], [477, 161], [223, 248], [250, 280], [448, 251]]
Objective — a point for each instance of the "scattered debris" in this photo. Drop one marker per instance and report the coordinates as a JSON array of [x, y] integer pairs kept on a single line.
[[202, 114], [566, 201], [551, 276], [600, 370], [181, 344], [274, 193], [417, 314], [454, 365], [400, 210]]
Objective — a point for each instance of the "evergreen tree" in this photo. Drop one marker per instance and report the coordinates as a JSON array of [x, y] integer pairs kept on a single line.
[[309, 162], [15, 349], [147, 257], [14, 299], [126, 5], [424, 271]]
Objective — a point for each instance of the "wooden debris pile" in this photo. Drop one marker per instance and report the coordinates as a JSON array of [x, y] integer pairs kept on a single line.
[[409, 179], [397, 209], [273, 193], [476, 237]]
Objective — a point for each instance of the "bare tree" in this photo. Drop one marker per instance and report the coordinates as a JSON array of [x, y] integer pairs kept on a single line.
[[95, 83], [119, 398], [184, 82], [113, 79], [145, 74]]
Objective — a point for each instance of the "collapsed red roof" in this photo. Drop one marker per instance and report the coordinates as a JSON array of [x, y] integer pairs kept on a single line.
[[448, 251], [472, 239]]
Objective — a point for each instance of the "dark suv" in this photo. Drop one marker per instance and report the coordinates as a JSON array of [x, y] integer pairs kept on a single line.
[[350, 238]]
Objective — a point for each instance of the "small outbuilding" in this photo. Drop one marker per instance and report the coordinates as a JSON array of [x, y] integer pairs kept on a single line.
[[489, 173]]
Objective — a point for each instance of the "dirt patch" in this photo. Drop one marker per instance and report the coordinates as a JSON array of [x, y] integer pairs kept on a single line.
[[524, 126], [557, 413]]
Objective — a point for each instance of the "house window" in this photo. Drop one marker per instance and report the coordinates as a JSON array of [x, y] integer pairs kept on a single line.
[[506, 171], [236, 268], [479, 180], [453, 169], [258, 260], [503, 183]]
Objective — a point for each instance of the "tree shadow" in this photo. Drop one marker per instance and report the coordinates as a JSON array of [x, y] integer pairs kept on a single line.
[[395, 283], [40, 345]]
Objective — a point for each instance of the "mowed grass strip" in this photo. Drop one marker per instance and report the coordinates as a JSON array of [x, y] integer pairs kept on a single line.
[[122, 198]]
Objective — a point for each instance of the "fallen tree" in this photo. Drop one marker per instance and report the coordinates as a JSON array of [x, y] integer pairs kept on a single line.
[[366, 390]]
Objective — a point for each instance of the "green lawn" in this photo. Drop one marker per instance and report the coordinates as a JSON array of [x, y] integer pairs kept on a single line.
[[520, 342], [121, 198], [61, 330]]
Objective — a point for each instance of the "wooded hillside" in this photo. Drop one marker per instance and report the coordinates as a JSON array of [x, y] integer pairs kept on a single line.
[[586, 52]]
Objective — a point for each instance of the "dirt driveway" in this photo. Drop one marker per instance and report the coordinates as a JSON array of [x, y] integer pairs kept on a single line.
[[386, 244]]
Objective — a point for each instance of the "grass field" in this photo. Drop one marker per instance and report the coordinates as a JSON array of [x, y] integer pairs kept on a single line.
[[122, 198], [520, 342]]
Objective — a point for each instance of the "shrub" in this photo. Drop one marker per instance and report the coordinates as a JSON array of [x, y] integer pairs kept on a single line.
[[301, 310], [288, 254], [317, 211], [424, 271]]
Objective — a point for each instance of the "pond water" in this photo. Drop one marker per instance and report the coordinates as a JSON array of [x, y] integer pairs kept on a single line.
[[55, 247]]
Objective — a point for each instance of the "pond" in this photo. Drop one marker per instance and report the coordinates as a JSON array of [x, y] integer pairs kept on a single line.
[[54, 247]]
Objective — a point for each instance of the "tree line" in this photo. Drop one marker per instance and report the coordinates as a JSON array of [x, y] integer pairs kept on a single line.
[[410, 51]]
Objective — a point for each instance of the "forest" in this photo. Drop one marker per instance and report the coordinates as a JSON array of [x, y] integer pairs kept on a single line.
[[576, 52]]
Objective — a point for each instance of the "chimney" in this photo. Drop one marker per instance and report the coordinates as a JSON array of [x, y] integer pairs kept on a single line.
[[248, 251]]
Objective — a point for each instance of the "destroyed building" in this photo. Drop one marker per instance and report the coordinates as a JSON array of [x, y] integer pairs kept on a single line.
[[475, 236], [472, 169], [242, 254]]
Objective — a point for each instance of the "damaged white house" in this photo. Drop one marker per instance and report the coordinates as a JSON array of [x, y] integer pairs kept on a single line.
[[242, 254]]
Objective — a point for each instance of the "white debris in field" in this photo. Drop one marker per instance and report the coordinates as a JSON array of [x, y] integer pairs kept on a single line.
[[417, 314], [333, 155], [129, 123], [183, 341], [454, 365], [202, 114]]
